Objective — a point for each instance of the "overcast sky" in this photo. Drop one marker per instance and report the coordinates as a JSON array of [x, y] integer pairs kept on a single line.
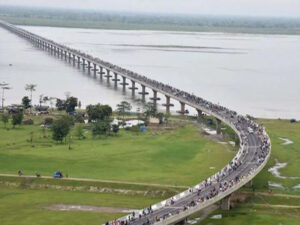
[[215, 7]]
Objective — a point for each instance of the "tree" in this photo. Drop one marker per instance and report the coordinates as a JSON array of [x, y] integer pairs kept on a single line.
[[79, 104], [71, 103], [123, 108], [26, 102], [115, 128], [60, 104], [4, 86], [41, 99], [98, 112], [5, 118], [61, 128], [101, 128], [17, 118], [30, 88], [150, 109], [79, 132], [46, 99], [160, 116]]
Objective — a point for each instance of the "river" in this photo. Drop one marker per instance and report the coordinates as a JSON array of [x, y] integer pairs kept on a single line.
[[252, 74]]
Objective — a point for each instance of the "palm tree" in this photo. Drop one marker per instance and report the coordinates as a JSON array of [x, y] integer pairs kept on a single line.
[[4, 86], [31, 88]]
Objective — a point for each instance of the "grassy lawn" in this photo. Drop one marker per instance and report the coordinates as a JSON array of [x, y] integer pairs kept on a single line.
[[255, 216], [283, 153], [179, 157], [270, 210], [23, 207]]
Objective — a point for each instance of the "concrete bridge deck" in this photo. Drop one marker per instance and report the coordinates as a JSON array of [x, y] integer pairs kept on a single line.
[[254, 152]]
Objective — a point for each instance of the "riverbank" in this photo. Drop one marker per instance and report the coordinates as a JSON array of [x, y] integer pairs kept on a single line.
[[136, 21]]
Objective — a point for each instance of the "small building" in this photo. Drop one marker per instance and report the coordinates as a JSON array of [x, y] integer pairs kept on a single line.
[[42, 109], [153, 120]]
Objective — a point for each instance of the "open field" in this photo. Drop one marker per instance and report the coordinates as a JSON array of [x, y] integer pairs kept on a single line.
[[184, 150], [24, 206], [179, 157], [289, 154], [281, 207]]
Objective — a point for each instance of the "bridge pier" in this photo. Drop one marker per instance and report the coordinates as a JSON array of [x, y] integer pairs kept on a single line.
[[74, 59], [133, 87], [60, 54], [124, 83], [116, 79], [199, 116], [83, 64], [218, 126], [108, 76], [65, 52], [225, 203], [95, 69], [89, 67], [78, 61], [168, 104], [182, 108], [143, 93], [70, 56], [155, 99], [54, 50], [101, 73]]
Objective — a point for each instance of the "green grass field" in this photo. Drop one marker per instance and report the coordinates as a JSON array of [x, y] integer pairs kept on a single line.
[[24, 207], [283, 153], [270, 210], [179, 157]]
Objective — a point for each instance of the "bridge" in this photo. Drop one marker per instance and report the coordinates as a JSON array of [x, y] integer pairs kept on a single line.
[[253, 154]]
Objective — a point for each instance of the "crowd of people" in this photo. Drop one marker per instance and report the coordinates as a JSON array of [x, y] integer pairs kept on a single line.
[[222, 181]]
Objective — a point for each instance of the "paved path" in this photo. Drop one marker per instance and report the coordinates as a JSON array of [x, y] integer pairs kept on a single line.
[[98, 180], [271, 195]]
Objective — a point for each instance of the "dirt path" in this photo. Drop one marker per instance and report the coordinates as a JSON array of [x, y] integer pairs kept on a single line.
[[99, 180], [277, 206], [63, 207], [273, 195]]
